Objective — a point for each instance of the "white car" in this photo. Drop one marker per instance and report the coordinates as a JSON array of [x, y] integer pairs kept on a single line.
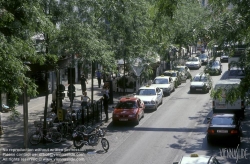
[[185, 72], [201, 82], [166, 83], [193, 62], [197, 159], [151, 96]]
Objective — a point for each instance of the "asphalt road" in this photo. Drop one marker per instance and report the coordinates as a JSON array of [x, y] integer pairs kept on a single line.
[[178, 127]]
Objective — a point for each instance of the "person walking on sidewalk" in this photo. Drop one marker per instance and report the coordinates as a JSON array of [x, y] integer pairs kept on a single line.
[[99, 76], [83, 83], [105, 105], [71, 93]]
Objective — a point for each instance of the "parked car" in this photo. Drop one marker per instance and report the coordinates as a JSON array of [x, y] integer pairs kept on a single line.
[[151, 96], [176, 76], [197, 159], [204, 59], [193, 63], [185, 72], [201, 82], [224, 126], [166, 83], [128, 109], [214, 67], [224, 57], [221, 105]]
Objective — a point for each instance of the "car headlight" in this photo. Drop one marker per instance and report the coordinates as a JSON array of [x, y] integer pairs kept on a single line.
[[191, 86], [132, 115], [152, 102]]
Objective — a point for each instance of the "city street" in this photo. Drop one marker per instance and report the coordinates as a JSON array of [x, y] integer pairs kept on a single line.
[[177, 128]]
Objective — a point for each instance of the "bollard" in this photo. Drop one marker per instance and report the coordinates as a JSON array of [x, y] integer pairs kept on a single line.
[[1, 128]]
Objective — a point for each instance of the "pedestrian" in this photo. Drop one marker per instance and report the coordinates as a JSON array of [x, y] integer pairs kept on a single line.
[[99, 76], [85, 100], [53, 105], [105, 105], [71, 93], [83, 83]]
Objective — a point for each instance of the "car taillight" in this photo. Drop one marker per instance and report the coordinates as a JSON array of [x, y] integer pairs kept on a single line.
[[234, 131], [210, 131]]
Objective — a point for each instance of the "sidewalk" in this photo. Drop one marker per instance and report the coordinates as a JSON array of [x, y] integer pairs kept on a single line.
[[13, 134]]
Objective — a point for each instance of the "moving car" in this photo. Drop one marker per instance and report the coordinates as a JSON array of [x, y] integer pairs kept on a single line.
[[224, 57], [197, 159], [204, 59], [224, 126], [166, 83], [128, 109], [193, 63], [201, 82], [220, 105], [214, 67], [151, 96], [176, 76], [185, 72]]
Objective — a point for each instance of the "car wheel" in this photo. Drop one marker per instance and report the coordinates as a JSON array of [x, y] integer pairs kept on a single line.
[[137, 121], [142, 114], [209, 141]]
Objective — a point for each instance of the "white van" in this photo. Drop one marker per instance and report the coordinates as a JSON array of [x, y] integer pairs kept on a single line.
[[220, 106]]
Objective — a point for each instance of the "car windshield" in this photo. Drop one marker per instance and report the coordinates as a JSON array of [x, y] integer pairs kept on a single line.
[[192, 59], [171, 74], [160, 81], [180, 69], [126, 105], [222, 121], [146, 92], [214, 63], [200, 78], [236, 73], [203, 56]]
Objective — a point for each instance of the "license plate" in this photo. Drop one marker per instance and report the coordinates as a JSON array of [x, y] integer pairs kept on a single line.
[[123, 119], [199, 89], [222, 131]]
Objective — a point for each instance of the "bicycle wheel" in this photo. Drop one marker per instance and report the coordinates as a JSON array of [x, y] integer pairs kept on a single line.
[[105, 144], [35, 138], [56, 137]]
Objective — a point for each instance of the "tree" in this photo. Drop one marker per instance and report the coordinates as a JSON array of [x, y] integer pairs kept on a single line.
[[20, 20]]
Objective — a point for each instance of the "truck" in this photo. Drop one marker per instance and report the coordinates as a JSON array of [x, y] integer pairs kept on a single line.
[[221, 106]]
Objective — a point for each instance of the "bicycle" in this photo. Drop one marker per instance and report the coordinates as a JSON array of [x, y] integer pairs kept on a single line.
[[52, 135]]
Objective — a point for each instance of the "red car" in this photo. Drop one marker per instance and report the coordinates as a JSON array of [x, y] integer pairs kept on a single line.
[[128, 109]]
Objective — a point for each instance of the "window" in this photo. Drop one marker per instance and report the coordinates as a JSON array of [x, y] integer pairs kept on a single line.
[[126, 105], [146, 92], [223, 121], [160, 81]]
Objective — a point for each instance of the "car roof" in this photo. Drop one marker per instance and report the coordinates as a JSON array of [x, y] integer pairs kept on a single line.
[[148, 87], [199, 159], [123, 99], [223, 115], [228, 81], [162, 77]]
